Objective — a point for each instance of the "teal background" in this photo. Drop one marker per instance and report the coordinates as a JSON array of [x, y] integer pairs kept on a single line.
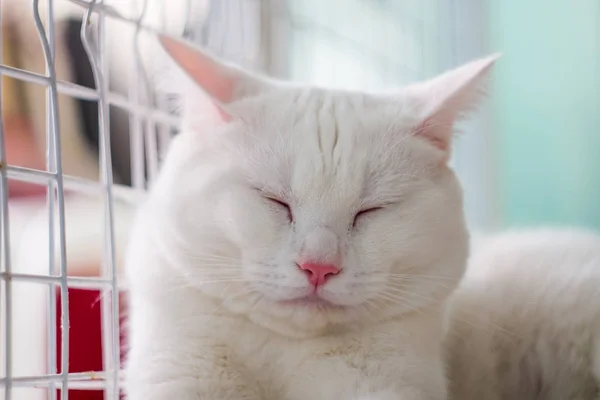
[[546, 111], [531, 156]]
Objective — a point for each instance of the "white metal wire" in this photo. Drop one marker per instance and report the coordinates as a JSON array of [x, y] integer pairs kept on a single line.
[[5, 262], [56, 183], [84, 93], [278, 36], [145, 120], [110, 294]]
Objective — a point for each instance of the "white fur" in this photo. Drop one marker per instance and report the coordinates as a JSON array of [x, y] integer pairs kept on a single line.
[[212, 263], [525, 321]]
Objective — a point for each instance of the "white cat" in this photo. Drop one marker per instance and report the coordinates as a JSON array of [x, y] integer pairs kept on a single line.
[[525, 321], [301, 244]]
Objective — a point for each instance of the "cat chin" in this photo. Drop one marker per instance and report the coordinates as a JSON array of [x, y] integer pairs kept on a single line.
[[313, 302], [302, 321], [301, 318]]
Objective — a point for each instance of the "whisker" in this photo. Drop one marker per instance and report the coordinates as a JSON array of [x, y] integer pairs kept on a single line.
[[511, 336], [409, 276], [413, 294], [258, 300], [205, 282], [401, 300], [232, 260], [208, 258], [374, 303], [404, 282]]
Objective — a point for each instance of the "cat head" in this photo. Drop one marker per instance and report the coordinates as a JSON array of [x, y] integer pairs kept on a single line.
[[311, 209]]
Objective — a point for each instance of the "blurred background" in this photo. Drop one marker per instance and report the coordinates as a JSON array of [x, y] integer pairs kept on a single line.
[[529, 156]]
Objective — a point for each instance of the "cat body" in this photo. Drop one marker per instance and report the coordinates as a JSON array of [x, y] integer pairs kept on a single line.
[[299, 242], [525, 321]]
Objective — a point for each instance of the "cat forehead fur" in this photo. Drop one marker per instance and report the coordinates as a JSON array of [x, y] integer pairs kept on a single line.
[[309, 143]]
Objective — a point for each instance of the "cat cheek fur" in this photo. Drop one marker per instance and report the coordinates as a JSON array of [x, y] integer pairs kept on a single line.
[[210, 262], [252, 223]]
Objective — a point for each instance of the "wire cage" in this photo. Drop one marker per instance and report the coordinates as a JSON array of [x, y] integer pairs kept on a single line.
[[103, 128]]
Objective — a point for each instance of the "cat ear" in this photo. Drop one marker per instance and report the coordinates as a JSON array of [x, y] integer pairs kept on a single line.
[[224, 83], [443, 100]]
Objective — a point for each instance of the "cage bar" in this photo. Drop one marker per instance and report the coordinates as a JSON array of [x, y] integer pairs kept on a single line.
[[5, 261], [55, 186]]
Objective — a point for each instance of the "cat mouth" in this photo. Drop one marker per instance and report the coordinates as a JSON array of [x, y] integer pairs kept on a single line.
[[313, 301]]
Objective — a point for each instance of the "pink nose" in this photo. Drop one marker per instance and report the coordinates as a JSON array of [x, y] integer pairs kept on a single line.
[[319, 273]]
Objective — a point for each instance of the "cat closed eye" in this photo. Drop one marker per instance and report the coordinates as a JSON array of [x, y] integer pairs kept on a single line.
[[364, 212], [283, 205]]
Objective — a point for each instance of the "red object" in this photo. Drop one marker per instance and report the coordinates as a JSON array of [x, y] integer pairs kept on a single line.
[[85, 340]]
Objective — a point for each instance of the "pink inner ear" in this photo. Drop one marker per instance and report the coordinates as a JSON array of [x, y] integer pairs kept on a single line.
[[213, 78], [430, 132]]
